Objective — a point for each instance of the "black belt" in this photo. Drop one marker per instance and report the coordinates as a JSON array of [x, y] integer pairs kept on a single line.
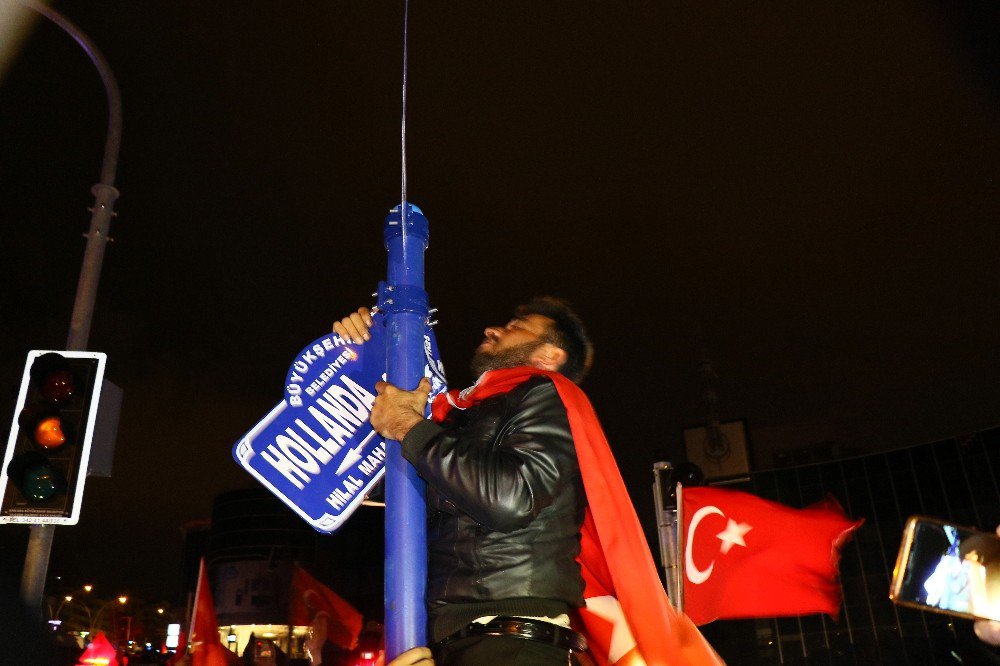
[[519, 627]]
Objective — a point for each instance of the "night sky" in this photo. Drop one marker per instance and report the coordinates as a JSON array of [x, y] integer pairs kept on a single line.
[[804, 194]]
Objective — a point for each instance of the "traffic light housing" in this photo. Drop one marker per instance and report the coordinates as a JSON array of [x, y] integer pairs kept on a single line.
[[48, 451]]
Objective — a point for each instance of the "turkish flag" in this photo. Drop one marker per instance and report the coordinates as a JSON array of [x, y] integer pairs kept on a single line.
[[331, 617], [749, 557], [206, 650]]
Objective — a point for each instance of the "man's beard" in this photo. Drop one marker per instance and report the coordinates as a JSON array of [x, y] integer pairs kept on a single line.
[[484, 360]]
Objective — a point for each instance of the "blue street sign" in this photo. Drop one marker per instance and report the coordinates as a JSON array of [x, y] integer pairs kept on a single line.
[[316, 450]]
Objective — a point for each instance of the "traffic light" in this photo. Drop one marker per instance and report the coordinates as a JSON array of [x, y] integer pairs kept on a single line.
[[45, 463]]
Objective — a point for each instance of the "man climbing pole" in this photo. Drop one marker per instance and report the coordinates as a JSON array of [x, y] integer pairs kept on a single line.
[[530, 528]]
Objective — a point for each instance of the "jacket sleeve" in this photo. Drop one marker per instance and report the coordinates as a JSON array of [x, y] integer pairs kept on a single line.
[[503, 475]]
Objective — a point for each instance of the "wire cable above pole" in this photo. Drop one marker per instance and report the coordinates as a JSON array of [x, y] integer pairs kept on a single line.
[[402, 132]]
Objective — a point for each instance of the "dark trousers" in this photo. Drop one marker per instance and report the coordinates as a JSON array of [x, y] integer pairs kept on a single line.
[[505, 650]]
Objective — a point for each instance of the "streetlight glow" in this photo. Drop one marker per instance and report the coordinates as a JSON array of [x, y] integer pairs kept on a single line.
[[122, 600]]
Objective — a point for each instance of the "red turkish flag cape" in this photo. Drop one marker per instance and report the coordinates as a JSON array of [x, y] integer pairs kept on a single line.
[[331, 617], [748, 557], [628, 620], [206, 650]]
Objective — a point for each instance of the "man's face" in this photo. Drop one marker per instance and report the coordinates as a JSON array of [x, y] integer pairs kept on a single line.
[[511, 345]]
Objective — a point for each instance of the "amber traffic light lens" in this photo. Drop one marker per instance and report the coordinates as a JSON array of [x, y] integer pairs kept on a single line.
[[49, 432]]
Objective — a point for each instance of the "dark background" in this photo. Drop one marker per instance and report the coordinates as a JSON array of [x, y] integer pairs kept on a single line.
[[805, 195]]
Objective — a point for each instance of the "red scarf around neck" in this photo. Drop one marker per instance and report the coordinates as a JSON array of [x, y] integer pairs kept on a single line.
[[614, 558]]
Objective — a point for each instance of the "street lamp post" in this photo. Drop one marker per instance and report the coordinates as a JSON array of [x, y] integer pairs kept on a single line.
[[55, 619], [36, 561], [68, 598], [95, 624]]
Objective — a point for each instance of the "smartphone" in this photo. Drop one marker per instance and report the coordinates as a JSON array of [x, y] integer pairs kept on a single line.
[[947, 568]]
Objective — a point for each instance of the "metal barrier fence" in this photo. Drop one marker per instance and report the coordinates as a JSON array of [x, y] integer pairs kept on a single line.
[[955, 479]]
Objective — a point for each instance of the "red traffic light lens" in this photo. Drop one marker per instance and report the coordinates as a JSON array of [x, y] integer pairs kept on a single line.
[[49, 432], [58, 386]]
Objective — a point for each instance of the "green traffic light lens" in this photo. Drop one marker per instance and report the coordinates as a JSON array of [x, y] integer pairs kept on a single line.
[[41, 483]]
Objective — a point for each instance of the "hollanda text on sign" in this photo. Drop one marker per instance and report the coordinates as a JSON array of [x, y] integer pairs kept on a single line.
[[304, 448]]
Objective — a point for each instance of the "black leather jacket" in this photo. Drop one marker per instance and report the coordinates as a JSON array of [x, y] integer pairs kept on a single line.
[[505, 503]]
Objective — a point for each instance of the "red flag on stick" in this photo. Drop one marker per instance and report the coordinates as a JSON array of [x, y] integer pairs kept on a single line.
[[206, 650], [331, 617], [748, 557], [99, 651]]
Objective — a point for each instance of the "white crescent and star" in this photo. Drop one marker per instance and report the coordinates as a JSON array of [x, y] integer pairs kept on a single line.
[[729, 537]]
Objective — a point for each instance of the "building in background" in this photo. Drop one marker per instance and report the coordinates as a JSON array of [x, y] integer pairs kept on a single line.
[[251, 546]]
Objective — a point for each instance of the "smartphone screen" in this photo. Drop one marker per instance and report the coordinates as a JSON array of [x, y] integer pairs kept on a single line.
[[949, 569]]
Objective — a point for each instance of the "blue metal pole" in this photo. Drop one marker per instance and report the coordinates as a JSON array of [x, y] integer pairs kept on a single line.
[[405, 302]]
